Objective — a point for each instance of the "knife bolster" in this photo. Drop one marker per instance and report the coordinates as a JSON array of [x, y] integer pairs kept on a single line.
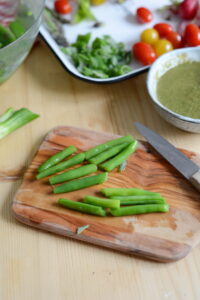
[[195, 180]]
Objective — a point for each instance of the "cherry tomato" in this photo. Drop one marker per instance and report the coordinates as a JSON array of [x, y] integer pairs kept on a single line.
[[163, 29], [62, 6], [150, 36], [162, 46], [144, 53], [192, 35], [175, 39], [144, 15]]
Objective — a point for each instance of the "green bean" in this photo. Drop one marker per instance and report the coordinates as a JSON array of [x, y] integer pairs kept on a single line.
[[56, 158], [120, 158], [75, 160], [101, 202], [83, 207], [109, 192], [17, 28], [6, 35], [73, 174], [97, 159], [146, 199], [139, 209], [80, 183], [102, 147], [7, 114]]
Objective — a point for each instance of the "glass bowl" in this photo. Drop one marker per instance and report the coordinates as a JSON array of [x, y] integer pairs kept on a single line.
[[12, 55]]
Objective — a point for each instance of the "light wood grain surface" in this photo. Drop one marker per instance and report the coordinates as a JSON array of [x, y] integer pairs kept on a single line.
[[39, 265]]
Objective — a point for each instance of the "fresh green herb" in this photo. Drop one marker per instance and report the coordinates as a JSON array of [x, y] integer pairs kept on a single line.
[[81, 229], [103, 58], [83, 12], [16, 120]]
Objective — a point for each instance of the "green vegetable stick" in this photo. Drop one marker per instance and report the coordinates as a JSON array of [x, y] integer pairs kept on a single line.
[[83, 207], [7, 114], [18, 119], [17, 28], [120, 158], [6, 36], [139, 209], [75, 160], [109, 192], [80, 183], [101, 202], [102, 147], [56, 158], [140, 199], [72, 174], [107, 154]]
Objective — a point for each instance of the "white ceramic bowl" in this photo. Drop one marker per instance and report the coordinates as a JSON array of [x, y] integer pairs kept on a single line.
[[161, 66]]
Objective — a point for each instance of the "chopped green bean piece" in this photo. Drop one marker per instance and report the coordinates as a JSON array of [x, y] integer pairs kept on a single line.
[[102, 147], [140, 199], [109, 192], [80, 183], [101, 202], [75, 160], [97, 159], [56, 158], [118, 159], [6, 36], [17, 28], [139, 209], [73, 174], [82, 207]]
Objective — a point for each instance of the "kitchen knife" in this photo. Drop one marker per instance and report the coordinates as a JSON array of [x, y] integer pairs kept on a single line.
[[177, 159]]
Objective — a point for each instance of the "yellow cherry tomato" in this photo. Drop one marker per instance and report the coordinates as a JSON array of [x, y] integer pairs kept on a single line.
[[162, 46], [97, 2], [149, 36]]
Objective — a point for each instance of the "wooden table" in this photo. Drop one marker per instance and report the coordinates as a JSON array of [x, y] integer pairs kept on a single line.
[[40, 265]]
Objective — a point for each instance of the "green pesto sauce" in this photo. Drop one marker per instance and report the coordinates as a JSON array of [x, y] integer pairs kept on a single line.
[[179, 89]]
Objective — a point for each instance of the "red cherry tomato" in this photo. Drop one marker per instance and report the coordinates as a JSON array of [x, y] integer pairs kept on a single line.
[[62, 6], [175, 39], [144, 53], [192, 35], [188, 9], [144, 15], [163, 29]]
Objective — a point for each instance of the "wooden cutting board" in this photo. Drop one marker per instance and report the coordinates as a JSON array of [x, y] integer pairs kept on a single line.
[[159, 236]]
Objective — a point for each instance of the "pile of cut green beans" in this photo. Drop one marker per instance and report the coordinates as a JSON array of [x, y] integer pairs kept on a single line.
[[99, 160], [119, 202], [105, 157]]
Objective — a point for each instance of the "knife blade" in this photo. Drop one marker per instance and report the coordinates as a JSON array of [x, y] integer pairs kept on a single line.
[[177, 159]]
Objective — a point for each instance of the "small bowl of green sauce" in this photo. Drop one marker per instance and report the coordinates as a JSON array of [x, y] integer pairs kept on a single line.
[[173, 83]]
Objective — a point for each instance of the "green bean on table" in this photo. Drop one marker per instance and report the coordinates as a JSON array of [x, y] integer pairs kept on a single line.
[[102, 147], [139, 209], [75, 160], [97, 159], [109, 203], [119, 158], [82, 207], [140, 199], [56, 158], [74, 173], [81, 183], [109, 192]]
